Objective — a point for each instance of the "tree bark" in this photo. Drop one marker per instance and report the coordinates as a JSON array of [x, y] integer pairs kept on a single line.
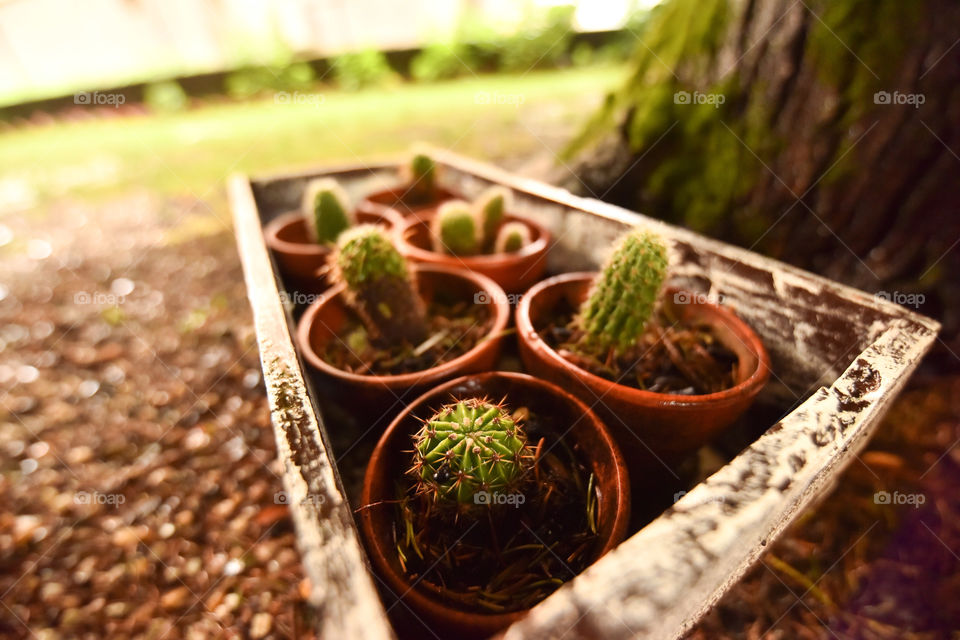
[[825, 133]]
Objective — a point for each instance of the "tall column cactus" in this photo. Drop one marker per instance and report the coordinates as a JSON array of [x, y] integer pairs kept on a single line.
[[469, 447], [419, 175], [379, 285], [490, 208], [326, 209], [455, 230], [624, 296]]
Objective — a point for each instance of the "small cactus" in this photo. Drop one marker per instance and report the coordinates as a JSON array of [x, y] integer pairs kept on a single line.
[[512, 236], [468, 447], [455, 229], [419, 175], [327, 210], [625, 294], [490, 208], [379, 285]]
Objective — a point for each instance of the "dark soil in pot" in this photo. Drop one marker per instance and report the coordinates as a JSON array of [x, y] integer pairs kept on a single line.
[[672, 357], [470, 570]]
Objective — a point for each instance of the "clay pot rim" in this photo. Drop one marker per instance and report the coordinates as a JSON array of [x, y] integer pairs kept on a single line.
[[749, 386], [275, 227], [401, 584], [536, 247], [501, 317], [398, 191]]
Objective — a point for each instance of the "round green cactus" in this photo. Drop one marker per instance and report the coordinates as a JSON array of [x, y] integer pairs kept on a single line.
[[379, 285], [512, 236], [490, 208], [469, 447], [326, 209], [419, 174], [624, 296], [455, 229]]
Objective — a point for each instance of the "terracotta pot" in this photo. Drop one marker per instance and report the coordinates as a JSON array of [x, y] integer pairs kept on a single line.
[[395, 199], [325, 318], [388, 462], [515, 272], [644, 422], [299, 257]]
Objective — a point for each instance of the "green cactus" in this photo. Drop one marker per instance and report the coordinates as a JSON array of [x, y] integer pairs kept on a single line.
[[455, 229], [468, 447], [419, 175], [326, 209], [512, 236], [490, 208], [624, 295], [379, 285]]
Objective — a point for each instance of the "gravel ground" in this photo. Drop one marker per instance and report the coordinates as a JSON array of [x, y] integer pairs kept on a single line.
[[138, 482]]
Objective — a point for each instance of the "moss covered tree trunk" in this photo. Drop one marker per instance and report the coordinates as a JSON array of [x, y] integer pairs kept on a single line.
[[822, 132]]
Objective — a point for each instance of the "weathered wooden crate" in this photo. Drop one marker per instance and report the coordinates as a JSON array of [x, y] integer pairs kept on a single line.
[[839, 358]]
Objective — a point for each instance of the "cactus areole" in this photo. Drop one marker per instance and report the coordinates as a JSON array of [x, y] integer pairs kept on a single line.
[[624, 296], [469, 447], [379, 285]]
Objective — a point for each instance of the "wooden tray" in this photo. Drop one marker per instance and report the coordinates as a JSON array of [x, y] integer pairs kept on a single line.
[[839, 358]]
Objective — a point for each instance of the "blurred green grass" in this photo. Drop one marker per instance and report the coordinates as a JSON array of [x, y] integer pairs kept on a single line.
[[191, 152]]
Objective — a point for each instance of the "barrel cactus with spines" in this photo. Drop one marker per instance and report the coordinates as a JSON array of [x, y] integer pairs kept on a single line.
[[455, 230], [512, 236], [490, 208], [419, 175], [326, 209], [624, 295], [379, 285], [469, 447]]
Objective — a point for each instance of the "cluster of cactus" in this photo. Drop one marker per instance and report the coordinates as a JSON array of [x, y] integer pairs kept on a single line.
[[469, 447], [326, 209], [624, 296], [379, 285], [419, 175], [465, 229]]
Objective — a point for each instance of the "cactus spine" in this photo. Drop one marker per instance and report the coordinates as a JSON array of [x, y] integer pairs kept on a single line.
[[326, 209], [512, 236], [490, 208], [379, 285], [419, 174], [455, 229], [624, 295], [468, 447]]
